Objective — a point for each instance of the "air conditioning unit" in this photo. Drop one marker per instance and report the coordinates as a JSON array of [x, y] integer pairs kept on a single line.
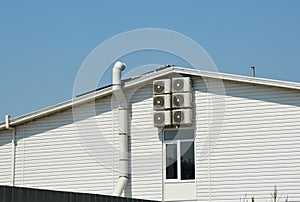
[[162, 86], [162, 118], [162, 101], [181, 84], [182, 117], [182, 100]]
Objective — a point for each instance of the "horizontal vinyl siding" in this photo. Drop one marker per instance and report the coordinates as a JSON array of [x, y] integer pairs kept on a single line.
[[5, 157], [146, 148], [258, 148], [57, 153], [201, 132]]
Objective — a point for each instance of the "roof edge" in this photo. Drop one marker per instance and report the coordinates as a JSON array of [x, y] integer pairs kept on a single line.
[[84, 98], [240, 78]]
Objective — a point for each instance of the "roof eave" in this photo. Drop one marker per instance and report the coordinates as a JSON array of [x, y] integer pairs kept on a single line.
[[81, 100]]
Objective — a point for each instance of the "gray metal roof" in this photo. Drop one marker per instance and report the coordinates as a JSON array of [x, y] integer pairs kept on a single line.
[[160, 72]]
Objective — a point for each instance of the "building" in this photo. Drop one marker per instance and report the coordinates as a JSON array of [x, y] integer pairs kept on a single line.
[[240, 135]]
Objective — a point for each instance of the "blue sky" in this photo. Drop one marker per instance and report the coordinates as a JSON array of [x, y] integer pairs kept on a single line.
[[42, 45]]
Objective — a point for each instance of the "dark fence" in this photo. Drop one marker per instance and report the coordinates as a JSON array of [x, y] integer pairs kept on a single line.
[[19, 194]]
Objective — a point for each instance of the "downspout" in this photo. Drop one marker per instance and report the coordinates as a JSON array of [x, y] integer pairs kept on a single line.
[[13, 148], [123, 128]]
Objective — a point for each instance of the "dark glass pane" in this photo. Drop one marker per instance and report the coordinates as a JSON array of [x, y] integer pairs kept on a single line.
[[181, 134], [187, 161], [171, 160]]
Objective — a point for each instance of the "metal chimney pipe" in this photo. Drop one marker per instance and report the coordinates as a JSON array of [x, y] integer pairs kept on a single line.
[[253, 71]]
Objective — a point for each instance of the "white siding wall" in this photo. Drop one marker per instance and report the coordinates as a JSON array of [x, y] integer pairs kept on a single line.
[[201, 130], [259, 147], [146, 147], [57, 153], [5, 157], [50, 153]]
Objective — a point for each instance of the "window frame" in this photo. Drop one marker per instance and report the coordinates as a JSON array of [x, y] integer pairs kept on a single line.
[[178, 144]]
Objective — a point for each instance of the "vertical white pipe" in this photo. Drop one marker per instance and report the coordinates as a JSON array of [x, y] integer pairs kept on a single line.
[[13, 148], [123, 128]]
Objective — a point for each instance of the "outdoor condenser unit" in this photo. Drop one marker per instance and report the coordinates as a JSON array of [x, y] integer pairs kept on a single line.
[[162, 101], [172, 102], [181, 84], [182, 117], [162, 86], [162, 118], [182, 100]]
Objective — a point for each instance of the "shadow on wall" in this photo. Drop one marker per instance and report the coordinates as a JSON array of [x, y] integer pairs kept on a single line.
[[135, 95]]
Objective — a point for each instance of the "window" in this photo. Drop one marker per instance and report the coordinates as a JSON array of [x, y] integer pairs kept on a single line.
[[179, 154], [171, 154]]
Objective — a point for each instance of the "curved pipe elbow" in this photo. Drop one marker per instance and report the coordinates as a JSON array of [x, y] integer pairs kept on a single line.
[[116, 81], [117, 69]]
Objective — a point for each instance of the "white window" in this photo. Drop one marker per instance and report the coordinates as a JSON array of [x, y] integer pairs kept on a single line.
[[179, 155]]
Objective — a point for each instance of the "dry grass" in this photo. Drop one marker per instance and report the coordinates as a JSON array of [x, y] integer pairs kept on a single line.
[[275, 197]]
